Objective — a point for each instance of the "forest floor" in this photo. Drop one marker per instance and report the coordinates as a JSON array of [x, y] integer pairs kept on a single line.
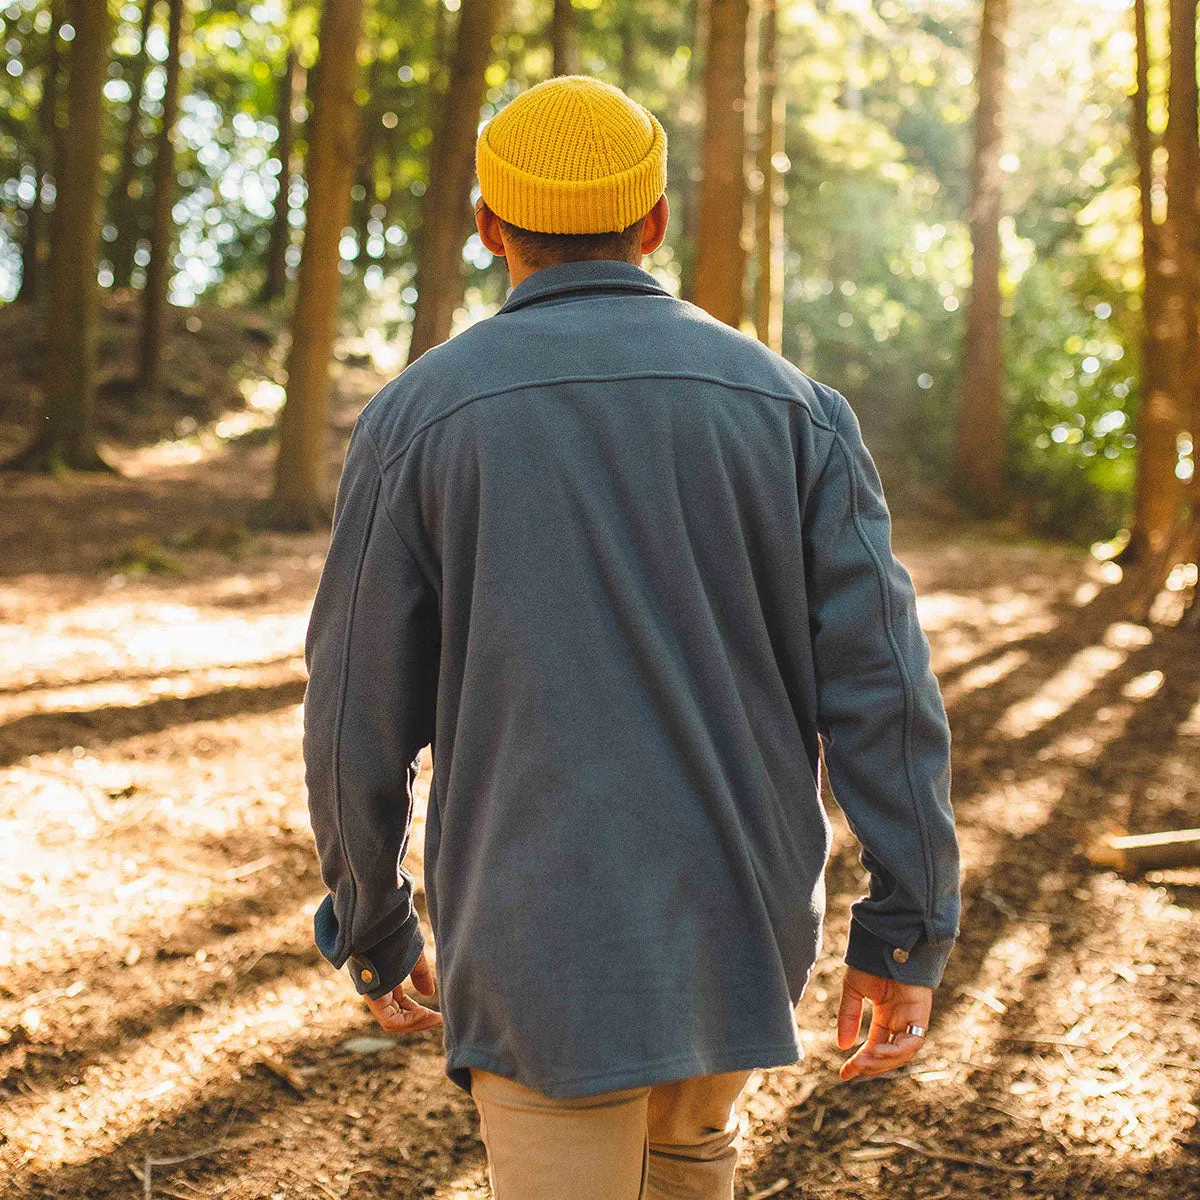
[[163, 1009]]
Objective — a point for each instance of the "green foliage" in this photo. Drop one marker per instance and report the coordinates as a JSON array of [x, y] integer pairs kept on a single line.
[[142, 556], [880, 96], [1070, 381]]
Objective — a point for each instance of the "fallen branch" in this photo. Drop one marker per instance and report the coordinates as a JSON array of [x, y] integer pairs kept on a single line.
[[1147, 851]]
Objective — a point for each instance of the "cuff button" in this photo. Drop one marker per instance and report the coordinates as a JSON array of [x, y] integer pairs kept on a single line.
[[366, 976], [899, 955]]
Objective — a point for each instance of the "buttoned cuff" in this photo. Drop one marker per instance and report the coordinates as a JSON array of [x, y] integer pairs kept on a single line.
[[387, 964], [922, 962]]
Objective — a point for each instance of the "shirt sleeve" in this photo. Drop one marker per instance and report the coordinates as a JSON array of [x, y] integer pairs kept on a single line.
[[372, 652], [881, 716]]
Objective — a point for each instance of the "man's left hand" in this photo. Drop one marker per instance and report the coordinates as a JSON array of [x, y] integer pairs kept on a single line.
[[399, 1013], [894, 1006]]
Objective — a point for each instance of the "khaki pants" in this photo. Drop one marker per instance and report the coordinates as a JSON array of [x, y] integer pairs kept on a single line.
[[673, 1141]]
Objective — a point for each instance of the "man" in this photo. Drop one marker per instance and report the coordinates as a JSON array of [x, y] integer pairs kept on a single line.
[[623, 567]]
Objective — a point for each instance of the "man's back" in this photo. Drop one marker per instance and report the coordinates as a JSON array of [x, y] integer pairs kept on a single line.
[[639, 561]]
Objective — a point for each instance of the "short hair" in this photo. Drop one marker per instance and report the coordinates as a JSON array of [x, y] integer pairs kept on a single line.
[[545, 249]]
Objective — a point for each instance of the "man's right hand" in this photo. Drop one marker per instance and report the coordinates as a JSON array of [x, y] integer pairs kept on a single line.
[[894, 1006], [398, 1013]]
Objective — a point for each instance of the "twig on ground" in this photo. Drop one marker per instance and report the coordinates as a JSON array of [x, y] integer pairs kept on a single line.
[[248, 869], [286, 1073], [966, 1160], [995, 1005], [143, 1177], [773, 1190], [1043, 1041], [315, 1182]]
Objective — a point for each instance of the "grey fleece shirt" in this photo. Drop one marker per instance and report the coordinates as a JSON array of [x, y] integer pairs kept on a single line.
[[621, 566]]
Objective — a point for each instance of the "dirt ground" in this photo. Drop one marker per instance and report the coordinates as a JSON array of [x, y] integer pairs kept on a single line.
[[163, 1009]]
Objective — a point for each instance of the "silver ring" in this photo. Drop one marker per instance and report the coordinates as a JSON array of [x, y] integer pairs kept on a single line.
[[916, 1030]]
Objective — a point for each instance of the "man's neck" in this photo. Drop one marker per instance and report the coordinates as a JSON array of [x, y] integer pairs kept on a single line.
[[519, 270]]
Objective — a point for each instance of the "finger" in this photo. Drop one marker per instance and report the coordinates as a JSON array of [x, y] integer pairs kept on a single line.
[[385, 1003], [411, 1020], [849, 1018], [422, 976], [399, 1013], [390, 1005], [870, 1063], [878, 1031], [908, 1042], [884, 1056]]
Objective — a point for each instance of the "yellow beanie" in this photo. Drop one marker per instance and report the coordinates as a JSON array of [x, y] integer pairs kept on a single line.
[[573, 154]]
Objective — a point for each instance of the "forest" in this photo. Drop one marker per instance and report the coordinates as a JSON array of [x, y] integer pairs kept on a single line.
[[225, 224]]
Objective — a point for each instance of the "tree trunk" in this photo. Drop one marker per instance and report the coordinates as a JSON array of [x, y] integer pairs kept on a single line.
[[66, 437], [121, 206], [979, 437], [1178, 262], [769, 236], [301, 499], [1177, 539], [693, 103], [451, 171], [162, 225], [1156, 495], [442, 34], [720, 253], [32, 250], [289, 85], [564, 38], [364, 178]]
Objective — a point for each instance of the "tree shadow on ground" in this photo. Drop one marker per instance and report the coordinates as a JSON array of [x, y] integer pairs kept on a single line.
[[372, 1121], [148, 674], [48, 732], [1034, 875]]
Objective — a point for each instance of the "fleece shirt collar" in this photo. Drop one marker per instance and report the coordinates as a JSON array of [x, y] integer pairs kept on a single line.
[[585, 275]]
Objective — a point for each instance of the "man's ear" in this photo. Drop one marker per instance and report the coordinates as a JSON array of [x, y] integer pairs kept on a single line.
[[655, 228], [488, 225]]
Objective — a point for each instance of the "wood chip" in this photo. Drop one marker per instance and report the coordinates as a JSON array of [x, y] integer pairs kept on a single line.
[[804, 1093], [984, 998], [248, 869], [774, 1190], [282, 1071], [871, 1153]]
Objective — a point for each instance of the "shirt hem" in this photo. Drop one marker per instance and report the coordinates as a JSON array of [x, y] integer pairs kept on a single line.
[[664, 1070]]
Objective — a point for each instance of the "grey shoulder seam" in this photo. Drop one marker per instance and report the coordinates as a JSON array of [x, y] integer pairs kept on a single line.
[[382, 503], [833, 430], [699, 376], [906, 687]]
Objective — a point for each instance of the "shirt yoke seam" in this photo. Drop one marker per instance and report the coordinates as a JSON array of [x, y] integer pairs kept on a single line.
[[698, 376], [905, 682]]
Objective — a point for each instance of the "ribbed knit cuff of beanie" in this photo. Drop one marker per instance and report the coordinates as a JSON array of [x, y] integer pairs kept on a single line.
[[573, 154]]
